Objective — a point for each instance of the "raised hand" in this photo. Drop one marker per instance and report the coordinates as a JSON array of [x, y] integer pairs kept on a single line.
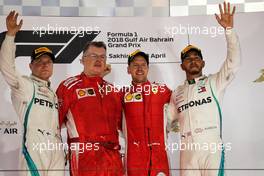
[[11, 23], [107, 70], [226, 18]]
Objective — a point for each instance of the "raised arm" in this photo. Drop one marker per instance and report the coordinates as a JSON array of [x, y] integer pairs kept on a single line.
[[232, 62], [8, 49]]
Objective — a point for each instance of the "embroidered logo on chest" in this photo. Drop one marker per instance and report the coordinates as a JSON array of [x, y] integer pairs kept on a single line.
[[138, 97], [155, 89], [128, 97], [81, 93], [133, 97], [201, 86]]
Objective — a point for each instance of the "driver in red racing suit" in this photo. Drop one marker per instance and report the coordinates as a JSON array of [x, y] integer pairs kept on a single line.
[[91, 110], [145, 123]]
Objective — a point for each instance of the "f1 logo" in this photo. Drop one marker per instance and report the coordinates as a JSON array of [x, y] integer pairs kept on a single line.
[[65, 46]]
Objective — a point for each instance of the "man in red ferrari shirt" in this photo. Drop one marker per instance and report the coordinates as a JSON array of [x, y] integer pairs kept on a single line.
[[145, 124], [91, 110]]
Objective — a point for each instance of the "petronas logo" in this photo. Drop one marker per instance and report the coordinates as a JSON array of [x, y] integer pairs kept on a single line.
[[261, 78]]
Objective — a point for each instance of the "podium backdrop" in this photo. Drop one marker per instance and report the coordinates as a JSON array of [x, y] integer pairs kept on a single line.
[[163, 39]]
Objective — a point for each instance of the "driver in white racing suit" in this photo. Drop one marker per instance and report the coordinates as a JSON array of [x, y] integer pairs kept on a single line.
[[196, 105], [36, 105]]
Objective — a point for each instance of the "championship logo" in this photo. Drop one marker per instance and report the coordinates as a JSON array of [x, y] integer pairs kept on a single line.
[[72, 46]]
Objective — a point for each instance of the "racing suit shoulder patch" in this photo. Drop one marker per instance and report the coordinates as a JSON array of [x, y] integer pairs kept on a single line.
[[71, 81], [26, 77], [158, 84], [155, 83], [158, 87], [108, 83], [179, 89]]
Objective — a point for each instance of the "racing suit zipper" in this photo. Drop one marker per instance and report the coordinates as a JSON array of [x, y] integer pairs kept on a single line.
[[189, 91], [101, 91], [150, 153]]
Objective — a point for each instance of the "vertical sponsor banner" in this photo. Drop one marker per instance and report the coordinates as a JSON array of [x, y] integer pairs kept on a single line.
[[162, 39]]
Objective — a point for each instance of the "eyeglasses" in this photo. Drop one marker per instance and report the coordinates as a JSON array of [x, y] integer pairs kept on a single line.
[[95, 56]]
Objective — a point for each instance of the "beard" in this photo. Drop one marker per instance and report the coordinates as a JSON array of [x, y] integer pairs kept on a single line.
[[194, 70], [140, 80]]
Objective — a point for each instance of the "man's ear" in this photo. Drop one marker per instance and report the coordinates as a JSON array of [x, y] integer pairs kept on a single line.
[[182, 67], [81, 61], [203, 63], [30, 66], [128, 70]]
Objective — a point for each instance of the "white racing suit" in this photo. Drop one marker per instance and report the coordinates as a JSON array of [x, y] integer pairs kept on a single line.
[[36, 105], [196, 106]]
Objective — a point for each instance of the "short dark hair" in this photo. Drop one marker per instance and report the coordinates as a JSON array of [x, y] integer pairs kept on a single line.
[[98, 44]]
